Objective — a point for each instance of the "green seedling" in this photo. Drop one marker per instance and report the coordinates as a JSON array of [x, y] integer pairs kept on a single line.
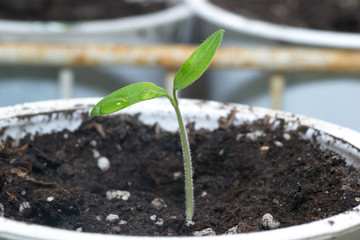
[[189, 72]]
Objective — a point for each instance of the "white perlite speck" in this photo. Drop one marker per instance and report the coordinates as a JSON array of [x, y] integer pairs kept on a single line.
[[278, 144], [103, 163], [286, 136], [239, 135], [156, 220], [189, 223], [93, 143], [122, 222], [205, 232], [233, 230], [2, 210], [204, 193], [159, 222], [252, 136], [177, 175], [96, 154], [112, 217], [269, 222], [118, 194], [158, 203], [23, 206], [50, 199], [264, 148]]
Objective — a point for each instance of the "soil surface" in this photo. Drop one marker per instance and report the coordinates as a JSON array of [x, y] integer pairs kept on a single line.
[[239, 176], [334, 15], [76, 10]]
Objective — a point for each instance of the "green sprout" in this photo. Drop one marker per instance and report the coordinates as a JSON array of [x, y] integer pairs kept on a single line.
[[189, 72]]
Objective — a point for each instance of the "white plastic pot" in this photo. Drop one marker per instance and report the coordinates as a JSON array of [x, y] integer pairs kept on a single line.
[[212, 13], [46, 117], [22, 84], [167, 25], [305, 93]]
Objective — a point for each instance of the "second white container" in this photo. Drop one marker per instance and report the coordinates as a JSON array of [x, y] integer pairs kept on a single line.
[[317, 95]]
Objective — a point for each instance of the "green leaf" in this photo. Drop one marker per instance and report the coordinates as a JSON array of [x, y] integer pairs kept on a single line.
[[198, 62], [127, 96]]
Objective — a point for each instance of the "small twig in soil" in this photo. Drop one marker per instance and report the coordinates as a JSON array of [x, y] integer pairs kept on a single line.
[[225, 123], [98, 127], [231, 117], [42, 155], [26, 177], [15, 151], [12, 196]]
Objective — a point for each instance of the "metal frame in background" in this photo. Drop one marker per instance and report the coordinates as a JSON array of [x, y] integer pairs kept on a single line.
[[276, 60]]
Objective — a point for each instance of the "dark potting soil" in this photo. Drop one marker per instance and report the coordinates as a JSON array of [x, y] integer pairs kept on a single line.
[[55, 179], [332, 15], [76, 10]]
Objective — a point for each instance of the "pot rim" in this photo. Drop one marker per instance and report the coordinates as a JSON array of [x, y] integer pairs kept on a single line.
[[212, 13], [329, 227], [167, 16]]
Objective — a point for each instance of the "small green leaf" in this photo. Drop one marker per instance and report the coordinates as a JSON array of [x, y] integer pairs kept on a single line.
[[198, 62], [127, 96]]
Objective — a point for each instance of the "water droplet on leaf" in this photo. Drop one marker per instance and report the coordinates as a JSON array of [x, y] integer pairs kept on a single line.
[[148, 94], [114, 105]]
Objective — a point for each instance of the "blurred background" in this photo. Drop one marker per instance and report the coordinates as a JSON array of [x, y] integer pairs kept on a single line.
[[268, 80]]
